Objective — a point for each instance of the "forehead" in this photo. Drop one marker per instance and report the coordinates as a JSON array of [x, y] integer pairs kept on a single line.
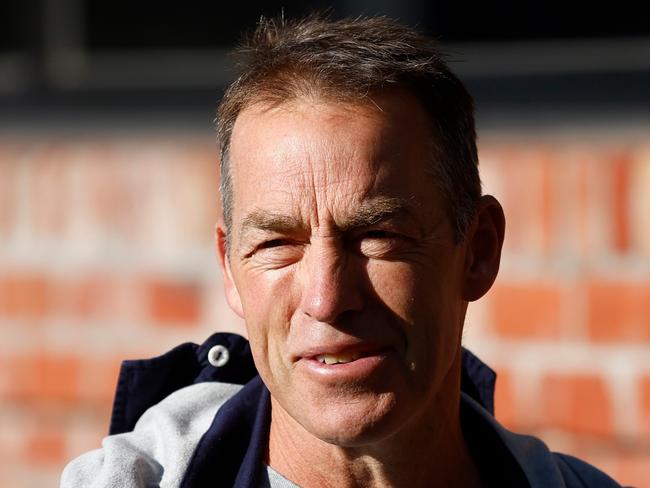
[[329, 152]]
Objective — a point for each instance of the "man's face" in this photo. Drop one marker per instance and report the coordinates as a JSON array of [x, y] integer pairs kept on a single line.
[[343, 264]]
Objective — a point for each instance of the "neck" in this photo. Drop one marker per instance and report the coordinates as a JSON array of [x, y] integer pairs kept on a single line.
[[430, 449]]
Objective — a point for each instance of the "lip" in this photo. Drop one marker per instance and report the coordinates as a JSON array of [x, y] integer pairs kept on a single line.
[[362, 349], [371, 359]]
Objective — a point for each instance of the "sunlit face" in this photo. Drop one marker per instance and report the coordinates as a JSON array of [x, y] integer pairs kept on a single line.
[[343, 263]]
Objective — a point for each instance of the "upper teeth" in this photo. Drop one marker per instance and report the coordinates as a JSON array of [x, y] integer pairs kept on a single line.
[[337, 358]]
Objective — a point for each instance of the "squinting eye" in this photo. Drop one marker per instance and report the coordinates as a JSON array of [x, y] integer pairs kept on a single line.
[[379, 243], [276, 250], [272, 243], [378, 234]]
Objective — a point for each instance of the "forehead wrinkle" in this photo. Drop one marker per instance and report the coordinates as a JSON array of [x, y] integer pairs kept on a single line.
[[328, 190]]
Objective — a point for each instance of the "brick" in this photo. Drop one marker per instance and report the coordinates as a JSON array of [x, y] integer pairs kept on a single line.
[[25, 296], [640, 201], [547, 166], [85, 433], [605, 454], [505, 408], [528, 310], [45, 448], [98, 379], [590, 196], [644, 394], [595, 192], [626, 462], [194, 182], [166, 200], [86, 298], [575, 181], [12, 436], [582, 190], [577, 403], [48, 183], [619, 311], [174, 303], [621, 168], [113, 200], [526, 205], [43, 377], [8, 190], [633, 469], [94, 296]]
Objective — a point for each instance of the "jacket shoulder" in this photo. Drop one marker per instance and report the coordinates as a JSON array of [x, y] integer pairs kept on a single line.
[[158, 450], [541, 466], [578, 473]]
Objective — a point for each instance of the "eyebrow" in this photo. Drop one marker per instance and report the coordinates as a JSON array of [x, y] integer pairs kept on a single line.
[[268, 221], [369, 212], [376, 210]]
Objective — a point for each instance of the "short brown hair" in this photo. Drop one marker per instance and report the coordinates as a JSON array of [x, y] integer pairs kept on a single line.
[[348, 60]]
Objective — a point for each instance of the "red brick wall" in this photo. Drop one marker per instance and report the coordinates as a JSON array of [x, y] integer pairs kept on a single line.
[[567, 326], [106, 253]]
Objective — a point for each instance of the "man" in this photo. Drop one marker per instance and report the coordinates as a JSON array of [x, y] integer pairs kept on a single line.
[[354, 235]]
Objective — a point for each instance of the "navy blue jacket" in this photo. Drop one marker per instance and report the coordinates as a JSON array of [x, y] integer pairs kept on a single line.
[[231, 451]]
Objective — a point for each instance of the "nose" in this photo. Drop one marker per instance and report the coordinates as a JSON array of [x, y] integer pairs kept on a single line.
[[331, 284]]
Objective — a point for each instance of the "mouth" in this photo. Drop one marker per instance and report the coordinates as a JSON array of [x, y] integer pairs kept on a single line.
[[340, 358], [345, 364]]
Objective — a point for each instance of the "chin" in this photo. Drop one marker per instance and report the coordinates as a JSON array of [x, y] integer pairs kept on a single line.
[[355, 423]]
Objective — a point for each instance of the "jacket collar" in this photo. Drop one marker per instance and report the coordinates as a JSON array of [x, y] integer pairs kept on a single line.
[[143, 383], [232, 451]]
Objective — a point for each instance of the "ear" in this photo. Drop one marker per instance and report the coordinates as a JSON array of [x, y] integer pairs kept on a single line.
[[232, 294], [484, 241]]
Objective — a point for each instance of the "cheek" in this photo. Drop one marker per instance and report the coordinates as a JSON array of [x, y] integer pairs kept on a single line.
[[267, 311], [425, 301], [392, 283], [264, 298], [266, 341], [405, 289]]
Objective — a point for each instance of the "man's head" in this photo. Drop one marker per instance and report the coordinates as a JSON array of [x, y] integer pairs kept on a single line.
[[346, 255], [351, 61]]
